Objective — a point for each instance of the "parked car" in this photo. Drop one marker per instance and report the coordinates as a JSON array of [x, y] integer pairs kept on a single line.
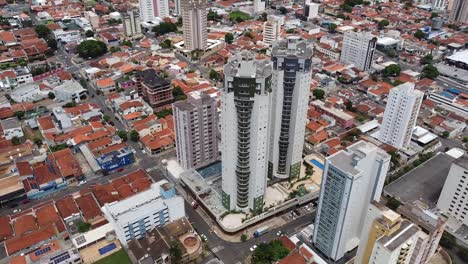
[[252, 249]]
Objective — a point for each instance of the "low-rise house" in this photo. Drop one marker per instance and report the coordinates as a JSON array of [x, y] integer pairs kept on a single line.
[[27, 92], [106, 85], [11, 128], [114, 157]]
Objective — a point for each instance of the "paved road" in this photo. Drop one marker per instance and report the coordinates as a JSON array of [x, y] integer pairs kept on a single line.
[[232, 252]]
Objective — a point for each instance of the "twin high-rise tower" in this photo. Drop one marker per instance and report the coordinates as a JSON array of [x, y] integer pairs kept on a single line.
[[263, 117]]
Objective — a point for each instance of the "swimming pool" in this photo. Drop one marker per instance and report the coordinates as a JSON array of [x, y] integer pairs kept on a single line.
[[210, 170], [317, 163]]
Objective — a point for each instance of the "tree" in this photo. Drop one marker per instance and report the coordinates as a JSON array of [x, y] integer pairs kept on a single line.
[[447, 240], [213, 16], [134, 136], [164, 27], [283, 10], [332, 28], [114, 49], [166, 44], [126, 43], [445, 134], [243, 237], [383, 23], [106, 118], [419, 34], [51, 95], [430, 72], [214, 75], [123, 135], [392, 70], [89, 33], [42, 31], [319, 94], [434, 15], [175, 252], [52, 43], [15, 141], [463, 253], [426, 59], [391, 53], [20, 114], [309, 171], [164, 113], [269, 252], [229, 38], [91, 49], [37, 141], [465, 139], [178, 94], [83, 226], [263, 17], [341, 15], [393, 203], [179, 21]]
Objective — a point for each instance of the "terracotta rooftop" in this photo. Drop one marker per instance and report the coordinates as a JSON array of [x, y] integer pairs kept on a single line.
[[24, 224], [5, 228], [88, 207], [18, 243], [47, 215], [67, 207]]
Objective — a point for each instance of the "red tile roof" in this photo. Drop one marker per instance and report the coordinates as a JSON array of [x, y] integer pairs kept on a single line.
[[67, 207], [88, 207], [47, 215], [5, 228], [24, 224], [46, 123], [18, 243]]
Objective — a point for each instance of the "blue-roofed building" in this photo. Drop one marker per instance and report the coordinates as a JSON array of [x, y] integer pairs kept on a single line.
[[115, 159], [454, 91]]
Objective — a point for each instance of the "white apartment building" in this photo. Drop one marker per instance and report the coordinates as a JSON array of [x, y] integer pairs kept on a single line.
[[132, 24], [400, 116], [194, 23], [245, 129], [440, 5], [292, 75], [151, 9], [271, 31], [134, 216], [352, 178], [453, 200], [459, 12], [358, 49], [196, 125], [260, 5], [311, 9], [398, 247]]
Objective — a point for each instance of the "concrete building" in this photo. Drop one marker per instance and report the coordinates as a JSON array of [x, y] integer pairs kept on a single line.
[[459, 12], [136, 215], [156, 90], [271, 31], [132, 24], [27, 92], [150, 10], [196, 126], [400, 116], [352, 178], [177, 7], [69, 91], [386, 237], [194, 24], [311, 9], [291, 80], [245, 131], [452, 200], [260, 5], [432, 227], [11, 128], [440, 5], [358, 49]]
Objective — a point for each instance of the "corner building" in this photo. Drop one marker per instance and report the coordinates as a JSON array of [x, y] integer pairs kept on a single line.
[[245, 132]]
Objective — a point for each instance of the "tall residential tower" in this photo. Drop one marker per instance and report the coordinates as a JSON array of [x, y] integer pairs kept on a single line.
[[245, 132], [196, 126], [459, 12], [352, 178], [151, 9], [194, 20], [358, 49], [401, 113], [291, 80]]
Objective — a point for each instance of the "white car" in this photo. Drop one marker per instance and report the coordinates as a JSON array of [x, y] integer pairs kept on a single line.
[[83, 182], [279, 233], [253, 248], [16, 211], [204, 238]]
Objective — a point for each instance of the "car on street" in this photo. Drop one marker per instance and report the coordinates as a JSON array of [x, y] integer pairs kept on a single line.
[[203, 237], [252, 248], [279, 233], [16, 211], [83, 182]]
